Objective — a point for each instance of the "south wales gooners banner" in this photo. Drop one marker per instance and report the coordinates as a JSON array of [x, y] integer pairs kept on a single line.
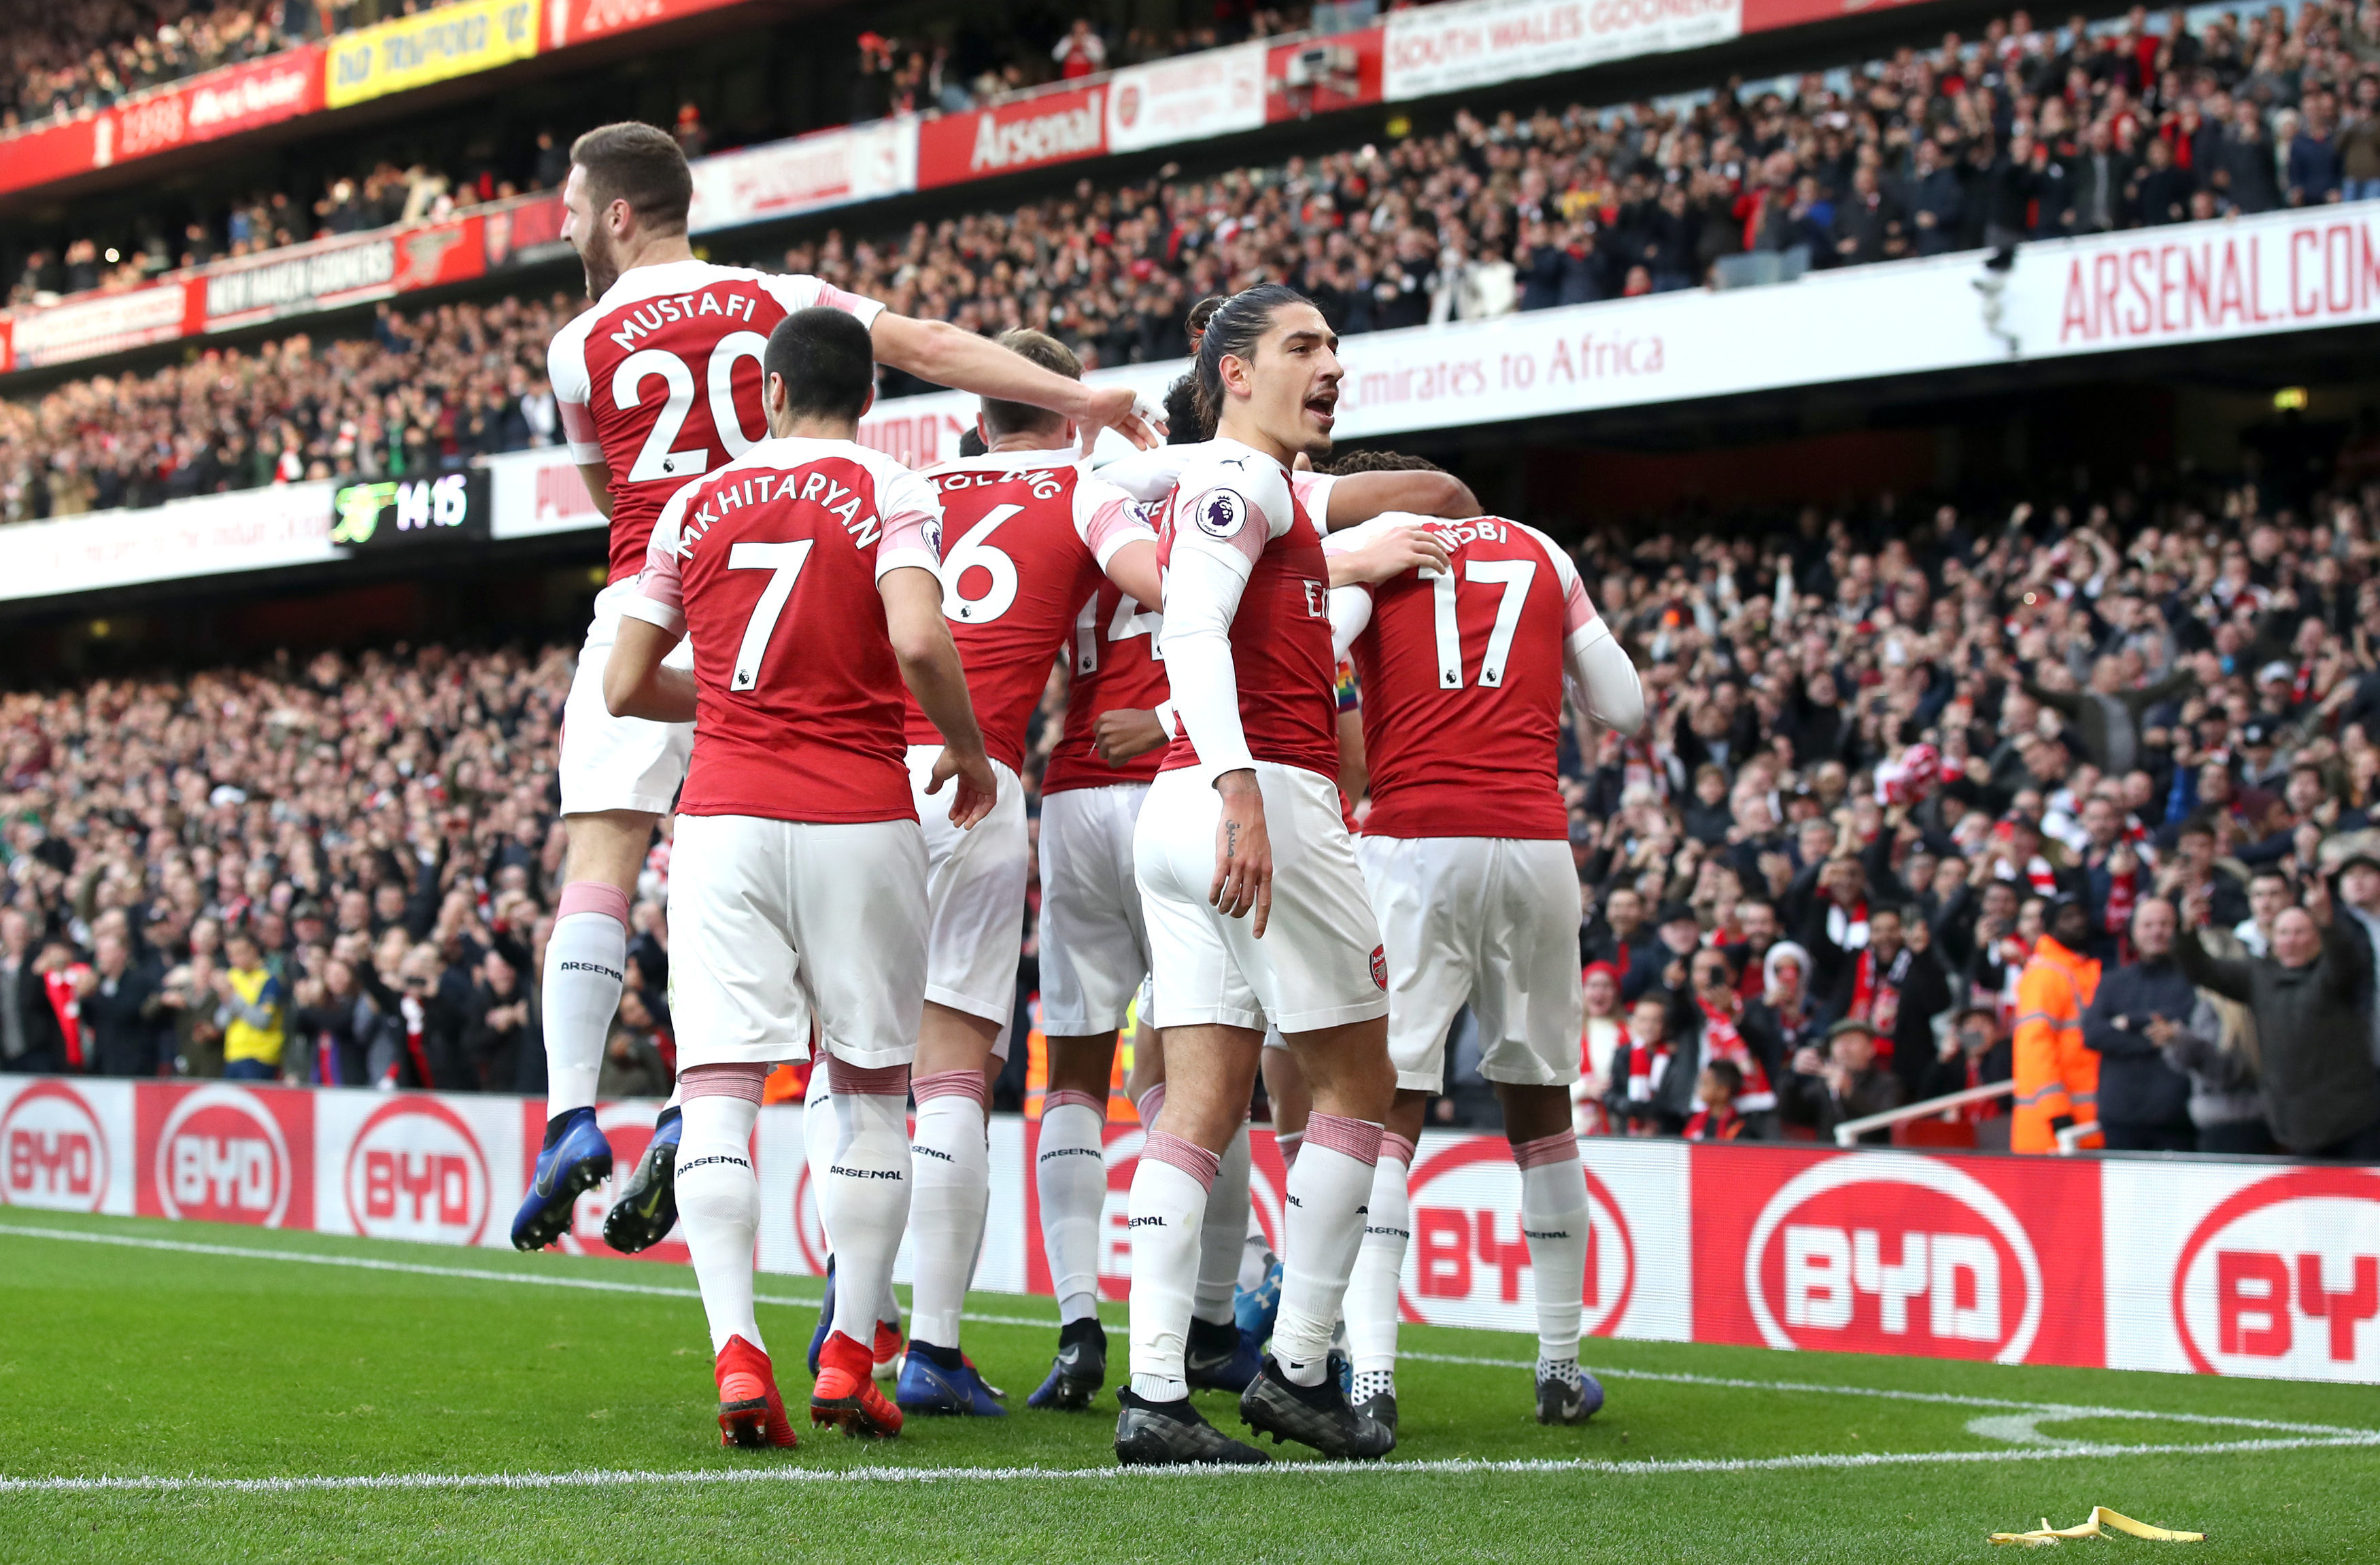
[[2196, 1265]]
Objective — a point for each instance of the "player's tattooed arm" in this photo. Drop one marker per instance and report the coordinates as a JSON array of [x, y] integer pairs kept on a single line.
[[1243, 883], [635, 682], [930, 666]]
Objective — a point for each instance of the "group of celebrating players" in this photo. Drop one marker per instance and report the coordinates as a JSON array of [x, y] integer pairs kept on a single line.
[[837, 660]]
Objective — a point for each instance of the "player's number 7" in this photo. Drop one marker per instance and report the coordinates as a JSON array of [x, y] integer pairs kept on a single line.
[[784, 562], [1515, 576]]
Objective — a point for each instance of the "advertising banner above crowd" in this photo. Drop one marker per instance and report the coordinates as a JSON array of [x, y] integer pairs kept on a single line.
[[253, 529], [862, 163], [1428, 50], [1189, 98], [434, 45], [2205, 1266], [1051, 128]]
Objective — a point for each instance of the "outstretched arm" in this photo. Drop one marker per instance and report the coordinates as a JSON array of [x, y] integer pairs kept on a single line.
[[949, 356]]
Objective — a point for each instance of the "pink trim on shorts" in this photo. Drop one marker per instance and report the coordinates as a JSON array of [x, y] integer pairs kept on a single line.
[[1287, 1144], [1187, 1155], [1071, 1098], [593, 896], [1359, 1139], [735, 1079], [1149, 1103], [856, 1081], [1398, 1147], [951, 1083], [1546, 1149]]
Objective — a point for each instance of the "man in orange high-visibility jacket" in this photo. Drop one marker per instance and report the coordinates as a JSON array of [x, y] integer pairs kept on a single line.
[[2057, 1078]]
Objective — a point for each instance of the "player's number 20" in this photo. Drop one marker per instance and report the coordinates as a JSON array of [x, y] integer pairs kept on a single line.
[[655, 460]]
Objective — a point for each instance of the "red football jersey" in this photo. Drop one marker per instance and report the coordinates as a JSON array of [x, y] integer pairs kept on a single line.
[[1236, 499], [1025, 535], [660, 380], [1462, 687], [1114, 666], [769, 568]]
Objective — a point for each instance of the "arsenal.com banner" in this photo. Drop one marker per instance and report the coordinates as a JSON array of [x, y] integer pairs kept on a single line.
[[2192, 1265]]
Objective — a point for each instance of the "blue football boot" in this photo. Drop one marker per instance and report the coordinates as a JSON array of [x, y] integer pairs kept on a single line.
[[930, 1387], [1256, 1308], [647, 1209], [826, 1319], [575, 1159]]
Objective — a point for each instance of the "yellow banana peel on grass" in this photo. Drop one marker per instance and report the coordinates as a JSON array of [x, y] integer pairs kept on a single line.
[[2046, 1536]]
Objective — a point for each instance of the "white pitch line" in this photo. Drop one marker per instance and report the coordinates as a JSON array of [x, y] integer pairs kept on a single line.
[[476, 1274], [599, 1478], [416, 1268], [1948, 1399]]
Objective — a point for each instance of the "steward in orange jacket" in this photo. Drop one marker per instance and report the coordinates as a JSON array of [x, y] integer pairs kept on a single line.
[[2057, 1078]]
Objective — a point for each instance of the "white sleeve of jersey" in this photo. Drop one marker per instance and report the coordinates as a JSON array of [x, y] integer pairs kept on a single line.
[[1148, 475], [796, 290], [566, 371], [660, 598], [1224, 515], [1106, 518], [1312, 491], [911, 508], [1605, 681], [1350, 613]]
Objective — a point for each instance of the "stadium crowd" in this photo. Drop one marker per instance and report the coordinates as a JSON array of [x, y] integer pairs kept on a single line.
[[2080, 792], [426, 391], [2019, 134], [2022, 133]]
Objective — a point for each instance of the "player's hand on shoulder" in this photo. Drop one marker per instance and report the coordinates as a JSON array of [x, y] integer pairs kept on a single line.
[[1126, 733], [979, 786], [1392, 549]]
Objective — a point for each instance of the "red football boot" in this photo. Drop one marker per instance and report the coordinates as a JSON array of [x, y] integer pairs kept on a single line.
[[751, 1415], [889, 1343], [845, 1395]]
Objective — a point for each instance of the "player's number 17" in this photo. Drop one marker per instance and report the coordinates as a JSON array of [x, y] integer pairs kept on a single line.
[[1515, 575]]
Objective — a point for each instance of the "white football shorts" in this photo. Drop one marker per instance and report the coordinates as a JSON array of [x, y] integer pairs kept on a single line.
[[618, 762], [1319, 963], [773, 923], [1094, 940], [974, 896], [1490, 922]]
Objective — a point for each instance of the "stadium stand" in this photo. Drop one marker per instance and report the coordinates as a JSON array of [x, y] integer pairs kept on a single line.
[[2018, 135]]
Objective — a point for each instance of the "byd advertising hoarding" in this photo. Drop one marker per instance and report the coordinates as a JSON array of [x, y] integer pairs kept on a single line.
[[2195, 1265]]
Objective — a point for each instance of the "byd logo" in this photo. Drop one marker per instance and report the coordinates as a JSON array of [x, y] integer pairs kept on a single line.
[[416, 1171], [1882, 1252], [53, 1153], [221, 1159], [2280, 1279], [1468, 1252]]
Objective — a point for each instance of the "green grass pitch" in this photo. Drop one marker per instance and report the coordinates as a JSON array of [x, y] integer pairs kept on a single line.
[[571, 1421]]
